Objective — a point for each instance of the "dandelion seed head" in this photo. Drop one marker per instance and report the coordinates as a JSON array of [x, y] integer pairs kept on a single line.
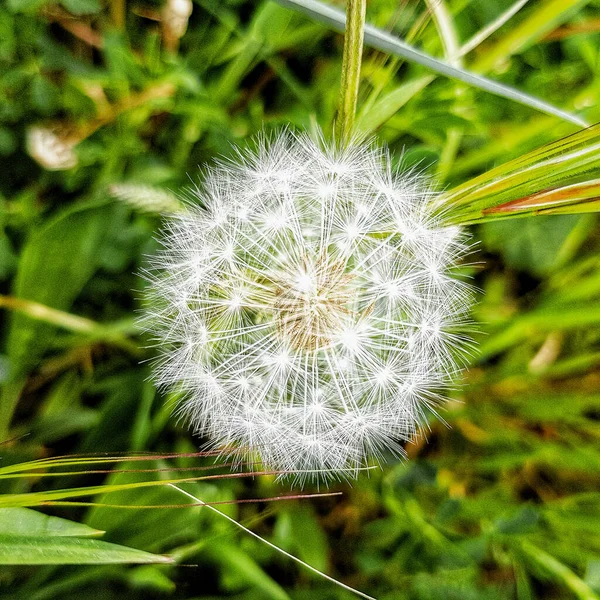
[[306, 308]]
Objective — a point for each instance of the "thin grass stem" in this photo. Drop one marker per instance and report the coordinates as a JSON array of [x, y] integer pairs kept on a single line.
[[271, 545]]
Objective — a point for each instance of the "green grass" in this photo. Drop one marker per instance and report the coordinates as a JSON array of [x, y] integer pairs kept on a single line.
[[503, 502]]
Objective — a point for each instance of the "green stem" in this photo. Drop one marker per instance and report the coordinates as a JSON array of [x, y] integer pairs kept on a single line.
[[353, 48]]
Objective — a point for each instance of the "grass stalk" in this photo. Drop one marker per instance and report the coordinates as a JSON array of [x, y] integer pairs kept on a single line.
[[271, 545]]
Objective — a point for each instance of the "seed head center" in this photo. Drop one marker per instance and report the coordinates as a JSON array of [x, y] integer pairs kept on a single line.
[[313, 306]]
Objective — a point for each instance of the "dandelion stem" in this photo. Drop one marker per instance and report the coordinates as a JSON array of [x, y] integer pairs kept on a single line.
[[353, 48]]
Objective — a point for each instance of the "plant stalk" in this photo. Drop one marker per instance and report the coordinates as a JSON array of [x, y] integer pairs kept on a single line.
[[353, 48]]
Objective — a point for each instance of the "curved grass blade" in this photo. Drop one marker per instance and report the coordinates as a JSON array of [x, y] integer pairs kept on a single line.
[[215, 503], [28, 474], [553, 569], [45, 497], [387, 106], [95, 459], [62, 496], [271, 545], [113, 333], [561, 177], [381, 40], [488, 30], [542, 19], [567, 199]]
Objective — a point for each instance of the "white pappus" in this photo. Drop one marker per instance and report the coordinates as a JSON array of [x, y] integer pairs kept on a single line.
[[306, 307]]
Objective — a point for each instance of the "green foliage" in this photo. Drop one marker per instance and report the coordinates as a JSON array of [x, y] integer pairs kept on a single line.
[[104, 113], [31, 538], [26, 522], [551, 179], [42, 550], [381, 40], [49, 275]]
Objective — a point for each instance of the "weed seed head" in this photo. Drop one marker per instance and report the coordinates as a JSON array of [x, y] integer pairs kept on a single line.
[[306, 307]]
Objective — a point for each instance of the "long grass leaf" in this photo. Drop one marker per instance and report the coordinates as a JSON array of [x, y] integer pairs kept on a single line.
[[558, 177], [381, 40], [24, 550], [26, 522], [539, 21], [48, 496], [580, 197]]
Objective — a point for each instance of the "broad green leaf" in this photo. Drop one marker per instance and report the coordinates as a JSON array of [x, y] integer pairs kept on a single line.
[[382, 40], [592, 575], [45, 96], [152, 578], [246, 570], [121, 62], [522, 521], [534, 245], [154, 528], [25, 550], [56, 262], [543, 320], [8, 258], [27, 522], [18, 6], [299, 529]]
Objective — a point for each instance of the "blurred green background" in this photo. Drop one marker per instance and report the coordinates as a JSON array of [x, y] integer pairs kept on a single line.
[[107, 107]]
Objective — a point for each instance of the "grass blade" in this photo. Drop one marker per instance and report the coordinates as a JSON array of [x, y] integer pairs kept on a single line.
[[271, 545], [381, 40], [555, 570], [25, 550], [551, 179], [387, 106], [578, 197], [26, 522], [541, 20], [488, 30]]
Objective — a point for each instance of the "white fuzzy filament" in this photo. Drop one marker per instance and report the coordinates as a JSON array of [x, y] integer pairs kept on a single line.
[[307, 310]]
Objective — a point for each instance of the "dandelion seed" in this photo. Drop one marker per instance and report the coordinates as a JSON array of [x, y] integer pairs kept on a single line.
[[307, 309]]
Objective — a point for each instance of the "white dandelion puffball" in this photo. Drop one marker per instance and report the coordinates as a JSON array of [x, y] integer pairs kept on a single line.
[[306, 308]]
